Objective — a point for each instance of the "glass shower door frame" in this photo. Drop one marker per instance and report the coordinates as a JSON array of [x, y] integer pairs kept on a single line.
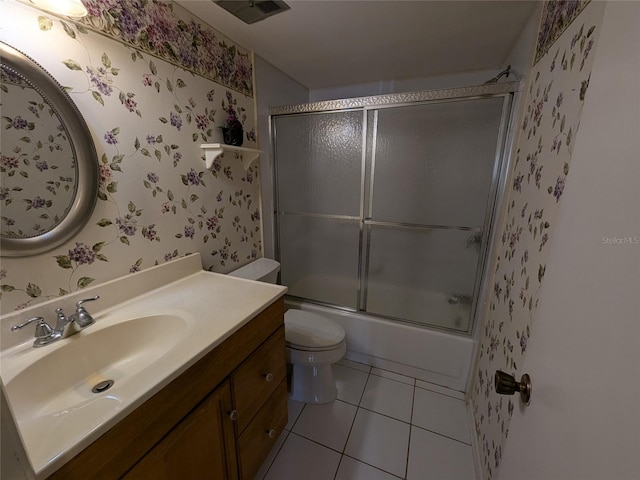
[[369, 192], [372, 104]]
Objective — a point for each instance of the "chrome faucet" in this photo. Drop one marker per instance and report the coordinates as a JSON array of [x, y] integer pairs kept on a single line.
[[45, 334]]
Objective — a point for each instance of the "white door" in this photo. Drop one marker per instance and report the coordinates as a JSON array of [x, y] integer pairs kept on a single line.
[[584, 354]]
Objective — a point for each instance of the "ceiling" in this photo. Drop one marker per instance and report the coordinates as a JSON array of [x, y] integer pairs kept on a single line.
[[329, 43]]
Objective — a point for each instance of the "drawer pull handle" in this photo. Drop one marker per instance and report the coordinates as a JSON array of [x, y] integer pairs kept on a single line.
[[233, 415], [269, 377], [271, 433]]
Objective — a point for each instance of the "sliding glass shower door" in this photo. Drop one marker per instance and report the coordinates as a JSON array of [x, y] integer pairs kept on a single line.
[[385, 209], [319, 171]]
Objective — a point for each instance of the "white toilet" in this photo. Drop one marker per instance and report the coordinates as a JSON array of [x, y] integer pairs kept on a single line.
[[314, 342]]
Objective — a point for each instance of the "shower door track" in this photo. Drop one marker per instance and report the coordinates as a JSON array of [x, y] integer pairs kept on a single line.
[[398, 99]]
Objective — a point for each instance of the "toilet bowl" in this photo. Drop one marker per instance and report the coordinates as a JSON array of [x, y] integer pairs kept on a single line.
[[313, 342]]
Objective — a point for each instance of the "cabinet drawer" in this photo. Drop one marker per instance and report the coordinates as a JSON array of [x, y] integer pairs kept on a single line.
[[258, 439], [257, 378]]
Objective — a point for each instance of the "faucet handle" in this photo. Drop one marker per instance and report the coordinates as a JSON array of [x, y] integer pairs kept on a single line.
[[82, 317], [22, 325], [80, 302], [43, 330]]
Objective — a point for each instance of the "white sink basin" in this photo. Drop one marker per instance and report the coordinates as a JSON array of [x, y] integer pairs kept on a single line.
[[60, 382], [150, 327], [53, 396]]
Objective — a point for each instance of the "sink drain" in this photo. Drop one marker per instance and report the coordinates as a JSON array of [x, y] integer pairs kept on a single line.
[[102, 386]]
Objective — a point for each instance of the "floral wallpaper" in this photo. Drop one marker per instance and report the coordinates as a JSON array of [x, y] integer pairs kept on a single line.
[[37, 165], [556, 17], [154, 27], [148, 118], [556, 93]]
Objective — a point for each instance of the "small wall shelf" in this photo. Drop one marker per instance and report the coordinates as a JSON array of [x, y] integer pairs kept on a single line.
[[214, 150]]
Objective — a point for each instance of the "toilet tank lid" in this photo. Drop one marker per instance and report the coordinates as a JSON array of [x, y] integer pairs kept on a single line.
[[308, 329], [257, 269]]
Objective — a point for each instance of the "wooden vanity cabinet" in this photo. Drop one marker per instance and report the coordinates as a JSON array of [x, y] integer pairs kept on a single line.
[[200, 446], [218, 420]]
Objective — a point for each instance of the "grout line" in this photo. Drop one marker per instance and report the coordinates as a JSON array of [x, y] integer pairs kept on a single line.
[[357, 369], [394, 373], [364, 389], [372, 466], [393, 379], [385, 415], [413, 402], [298, 417], [353, 422], [266, 473], [443, 394], [442, 435], [354, 418], [316, 442], [335, 475]]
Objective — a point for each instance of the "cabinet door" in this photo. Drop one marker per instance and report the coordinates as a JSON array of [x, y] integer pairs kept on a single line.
[[201, 446]]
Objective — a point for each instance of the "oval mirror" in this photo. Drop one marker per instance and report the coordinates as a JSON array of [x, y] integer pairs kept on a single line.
[[48, 167]]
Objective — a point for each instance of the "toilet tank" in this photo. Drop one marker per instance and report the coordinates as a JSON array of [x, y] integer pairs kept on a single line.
[[263, 270]]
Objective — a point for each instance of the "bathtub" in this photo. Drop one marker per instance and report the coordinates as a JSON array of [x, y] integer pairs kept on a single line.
[[426, 354]]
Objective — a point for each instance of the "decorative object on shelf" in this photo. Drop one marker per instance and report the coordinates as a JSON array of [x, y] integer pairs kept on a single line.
[[232, 130], [214, 150], [233, 134]]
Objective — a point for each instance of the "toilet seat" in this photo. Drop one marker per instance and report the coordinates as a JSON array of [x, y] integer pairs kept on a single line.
[[303, 348], [312, 332]]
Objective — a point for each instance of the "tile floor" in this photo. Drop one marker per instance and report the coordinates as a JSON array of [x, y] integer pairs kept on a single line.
[[383, 426]]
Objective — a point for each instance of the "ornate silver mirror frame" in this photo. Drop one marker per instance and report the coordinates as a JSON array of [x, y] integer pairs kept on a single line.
[[87, 169]]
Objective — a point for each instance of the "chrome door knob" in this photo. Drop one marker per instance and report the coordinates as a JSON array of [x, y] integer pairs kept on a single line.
[[506, 384]]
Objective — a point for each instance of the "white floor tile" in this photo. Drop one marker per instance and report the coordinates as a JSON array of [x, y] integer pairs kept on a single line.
[[440, 389], [351, 469], [356, 365], [437, 457], [379, 441], [294, 412], [327, 424], [441, 414], [350, 383], [272, 455], [393, 376], [300, 458], [388, 397]]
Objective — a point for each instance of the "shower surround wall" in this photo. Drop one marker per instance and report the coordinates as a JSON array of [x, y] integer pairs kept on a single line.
[[150, 98], [558, 83]]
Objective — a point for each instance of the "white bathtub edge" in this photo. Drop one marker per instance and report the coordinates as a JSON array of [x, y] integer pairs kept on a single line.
[[426, 354]]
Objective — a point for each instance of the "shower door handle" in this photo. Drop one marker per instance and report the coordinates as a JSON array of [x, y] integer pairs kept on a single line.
[[506, 384]]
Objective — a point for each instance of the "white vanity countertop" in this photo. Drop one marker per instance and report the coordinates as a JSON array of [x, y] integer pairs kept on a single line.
[[49, 388]]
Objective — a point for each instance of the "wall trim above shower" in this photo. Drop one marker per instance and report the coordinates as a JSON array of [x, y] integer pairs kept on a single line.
[[398, 98]]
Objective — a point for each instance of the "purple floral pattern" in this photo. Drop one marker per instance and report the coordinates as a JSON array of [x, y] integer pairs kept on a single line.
[[163, 30], [556, 93], [37, 168], [156, 201], [556, 18]]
